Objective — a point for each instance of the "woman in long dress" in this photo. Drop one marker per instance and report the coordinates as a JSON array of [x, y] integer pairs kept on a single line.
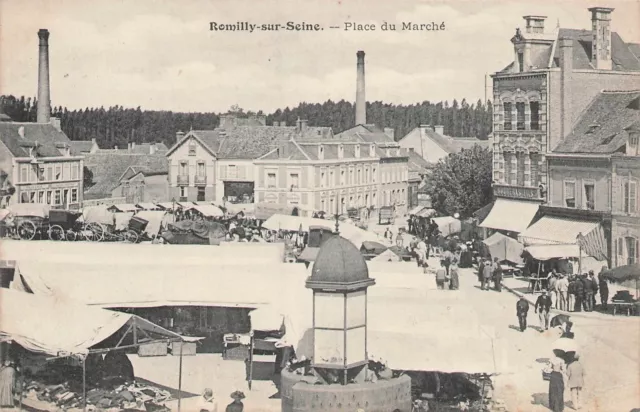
[[7, 385], [556, 386], [454, 282]]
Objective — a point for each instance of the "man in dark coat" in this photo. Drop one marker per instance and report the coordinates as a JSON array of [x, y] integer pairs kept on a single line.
[[587, 293], [497, 275], [578, 290], [522, 308], [543, 308], [594, 289], [604, 291]]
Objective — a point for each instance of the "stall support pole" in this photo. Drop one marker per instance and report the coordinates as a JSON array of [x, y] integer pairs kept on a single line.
[[180, 379], [84, 384], [251, 346]]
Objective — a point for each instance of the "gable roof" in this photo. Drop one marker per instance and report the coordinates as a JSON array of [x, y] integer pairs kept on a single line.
[[417, 163], [252, 142], [48, 139], [600, 128], [145, 148], [367, 133], [81, 146], [447, 143], [109, 168]]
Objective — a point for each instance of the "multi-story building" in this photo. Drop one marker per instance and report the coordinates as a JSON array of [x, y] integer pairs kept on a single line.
[[538, 98], [594, 174], [331, 175], [38, 164], [432, 144]]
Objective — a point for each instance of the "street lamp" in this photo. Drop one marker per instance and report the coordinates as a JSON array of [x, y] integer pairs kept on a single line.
[[339, 280]]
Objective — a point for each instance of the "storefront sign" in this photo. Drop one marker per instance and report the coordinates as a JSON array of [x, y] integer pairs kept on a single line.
[[50, 186], [516, 192]]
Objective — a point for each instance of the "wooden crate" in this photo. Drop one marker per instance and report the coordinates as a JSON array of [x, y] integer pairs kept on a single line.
[[153, 349], [188, 348]]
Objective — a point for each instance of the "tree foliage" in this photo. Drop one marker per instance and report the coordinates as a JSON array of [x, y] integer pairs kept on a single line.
[[118, 126], [461, 182]]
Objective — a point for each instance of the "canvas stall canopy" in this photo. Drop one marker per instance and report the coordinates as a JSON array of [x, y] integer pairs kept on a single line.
[[155, 219], [98, 214], [426, 212], [106, 253], [448, 225], [547, 252], [147, 206], [207, 210], [266, 318], [504, 248], [41, 319], [123, 207], [550, 230], [510, 215], [122, 220], [29, 209], [167, 205], [186, 205], [153, 285]]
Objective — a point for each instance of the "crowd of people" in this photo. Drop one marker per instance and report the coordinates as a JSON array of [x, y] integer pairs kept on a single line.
[[576, 293], [490, 272]]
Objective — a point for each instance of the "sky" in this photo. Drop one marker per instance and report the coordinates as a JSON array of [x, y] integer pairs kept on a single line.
[[162, 55]]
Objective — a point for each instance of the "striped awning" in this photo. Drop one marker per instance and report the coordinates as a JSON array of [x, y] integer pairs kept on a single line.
[[550, 230]]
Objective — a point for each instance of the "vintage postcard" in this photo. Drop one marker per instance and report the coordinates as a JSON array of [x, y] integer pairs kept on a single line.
[[319, 205]]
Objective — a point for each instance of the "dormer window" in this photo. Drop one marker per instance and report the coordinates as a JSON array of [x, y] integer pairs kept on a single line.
[[632, 146], [321, 152], [340, 152], [357, 150], [192, 147]]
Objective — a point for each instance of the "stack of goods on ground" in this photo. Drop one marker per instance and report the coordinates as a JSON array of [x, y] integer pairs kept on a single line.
[[189, 232], [623, 296], [110, 385], [433, 391]]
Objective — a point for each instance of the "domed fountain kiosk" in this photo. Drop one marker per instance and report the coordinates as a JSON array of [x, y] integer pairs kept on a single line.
[[339, 382]]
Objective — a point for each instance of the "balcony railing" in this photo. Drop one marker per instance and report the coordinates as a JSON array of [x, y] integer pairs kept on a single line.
[[200, 180], [516, 192], [183, 180]]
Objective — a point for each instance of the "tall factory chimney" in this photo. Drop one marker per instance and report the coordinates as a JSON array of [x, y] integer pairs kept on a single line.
[[44, 98], [361, 101]]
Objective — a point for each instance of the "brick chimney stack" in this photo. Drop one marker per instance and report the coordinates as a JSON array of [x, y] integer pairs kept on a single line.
[[535, 24], [361, 101], [601, 44], [566, 67], [44, 97]]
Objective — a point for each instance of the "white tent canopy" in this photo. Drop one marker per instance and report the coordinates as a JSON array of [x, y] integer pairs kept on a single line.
[[448, 225], [147, 206], [124, 207], [207, 210], [62, 327], [556, 230], [107, 253], [504, 248], [98, 214], [510, 215], [155, 219], [29, 209]]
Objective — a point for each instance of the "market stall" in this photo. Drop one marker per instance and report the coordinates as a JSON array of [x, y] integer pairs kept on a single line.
[[205, 211], [448, 225], [87, 331], [504, 248]]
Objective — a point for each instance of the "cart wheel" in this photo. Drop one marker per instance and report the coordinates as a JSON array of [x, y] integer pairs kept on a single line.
[[97, 231], [131, 236], [56, 232], [72, 236], [26, 230]]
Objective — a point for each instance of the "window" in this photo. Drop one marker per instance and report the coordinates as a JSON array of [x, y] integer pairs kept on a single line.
[[24, 197], [521, 61], [41, 196], [570, 193], [294, 180], [65, 196], [534, 158], [232, 172], [520, 168], [192, 148], [342, 177], [321, 152], [49, 173], [183, 193], [200, 194], [632, 148], [32, 197], [41, 173], [340, 152], [331, 178], [24, 173], [58, 173], [48, 197], [520, 115], [183, 168], [351, 181], [33, 174], [322, 179], [271, 180], [359, 181], [57, 197], [200, 170], [631, 244], [508, 116], [357, 150], [630, 197], [74, 195], [534, 108], [372, 150], [373, 175], [74, 171], [589, 195]]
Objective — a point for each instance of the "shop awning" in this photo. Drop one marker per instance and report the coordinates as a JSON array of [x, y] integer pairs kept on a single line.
[[557, 230], [511, 215], [60, 327], [546, 252]]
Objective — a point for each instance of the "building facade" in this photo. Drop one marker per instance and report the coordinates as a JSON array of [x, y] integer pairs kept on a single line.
[[540, 95], [431, 143], [39, 167]]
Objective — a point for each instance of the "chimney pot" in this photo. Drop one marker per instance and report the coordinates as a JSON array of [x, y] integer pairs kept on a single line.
[[361, 101], [43, 107], [303, 125], [179, 136]]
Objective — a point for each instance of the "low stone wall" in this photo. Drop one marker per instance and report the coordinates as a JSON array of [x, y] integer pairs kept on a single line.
[[299, 394]]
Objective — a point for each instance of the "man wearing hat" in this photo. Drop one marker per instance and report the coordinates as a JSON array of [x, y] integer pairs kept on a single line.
[[542, 308], [236, 405]]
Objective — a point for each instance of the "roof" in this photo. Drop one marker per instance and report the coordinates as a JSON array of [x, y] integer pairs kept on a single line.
[[339, 263], [510, 215], [556, 230], [44, 134], [145, 148], [81, 146], [251, 142], [108, 168], [447, 143], [417, 162], [622, 57], [635, 49], [600, 128]]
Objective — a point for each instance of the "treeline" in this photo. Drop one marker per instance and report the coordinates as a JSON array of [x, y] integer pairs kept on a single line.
[[117, 126]]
